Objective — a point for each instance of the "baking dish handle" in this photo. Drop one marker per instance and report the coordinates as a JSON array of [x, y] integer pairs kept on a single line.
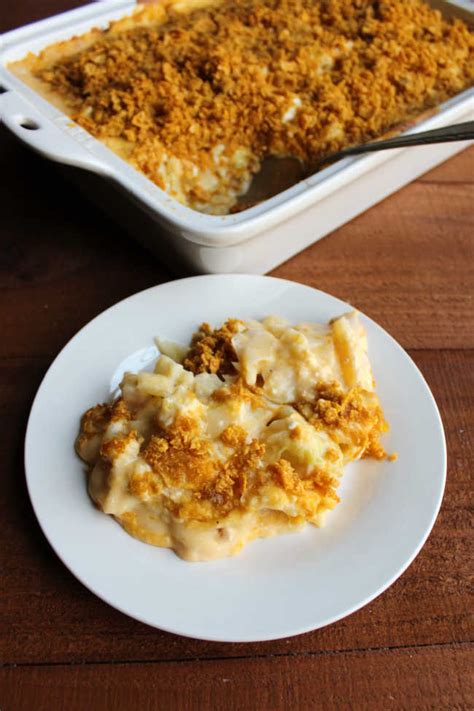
[[49, 137]]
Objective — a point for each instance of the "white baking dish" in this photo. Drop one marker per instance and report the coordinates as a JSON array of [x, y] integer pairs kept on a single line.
[[254, 240]]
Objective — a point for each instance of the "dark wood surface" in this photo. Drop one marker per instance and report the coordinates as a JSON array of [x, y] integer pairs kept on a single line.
[[409, 264]]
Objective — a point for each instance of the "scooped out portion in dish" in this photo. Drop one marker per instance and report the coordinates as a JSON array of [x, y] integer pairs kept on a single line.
[[242, 435], [195, 93]]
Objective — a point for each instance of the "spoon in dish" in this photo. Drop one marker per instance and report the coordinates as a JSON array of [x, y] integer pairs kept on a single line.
[[280, 173]]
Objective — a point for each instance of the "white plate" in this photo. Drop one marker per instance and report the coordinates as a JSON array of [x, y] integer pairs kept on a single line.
[[276, 587]]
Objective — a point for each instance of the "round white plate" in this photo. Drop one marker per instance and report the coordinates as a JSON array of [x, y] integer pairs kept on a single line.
[[276, 587]]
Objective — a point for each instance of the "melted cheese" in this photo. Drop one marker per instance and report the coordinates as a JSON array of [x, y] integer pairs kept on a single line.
[[291, 359]]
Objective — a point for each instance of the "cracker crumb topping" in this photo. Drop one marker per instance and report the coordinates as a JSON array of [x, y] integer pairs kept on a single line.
[[212, 350], [221, 87]]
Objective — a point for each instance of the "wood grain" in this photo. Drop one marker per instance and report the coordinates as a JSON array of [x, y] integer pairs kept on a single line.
[[452, 171], [408, 263], [379, 253], [412, 678]]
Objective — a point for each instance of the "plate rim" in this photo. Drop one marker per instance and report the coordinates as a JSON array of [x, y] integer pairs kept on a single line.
[[244, 638]]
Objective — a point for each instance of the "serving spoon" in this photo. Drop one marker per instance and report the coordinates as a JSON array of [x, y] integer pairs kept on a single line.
[[280, 173]]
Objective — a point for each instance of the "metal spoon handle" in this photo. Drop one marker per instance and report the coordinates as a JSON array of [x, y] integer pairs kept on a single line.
[[278, 173], [457, 132]]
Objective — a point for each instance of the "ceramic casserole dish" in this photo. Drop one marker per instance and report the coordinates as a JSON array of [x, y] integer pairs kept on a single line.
[[254, 240]]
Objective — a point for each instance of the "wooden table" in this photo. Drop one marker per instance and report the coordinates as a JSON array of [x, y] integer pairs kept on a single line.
[[408, 263]]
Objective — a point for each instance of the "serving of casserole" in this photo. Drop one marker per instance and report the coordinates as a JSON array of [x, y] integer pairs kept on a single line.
[[242, 435]]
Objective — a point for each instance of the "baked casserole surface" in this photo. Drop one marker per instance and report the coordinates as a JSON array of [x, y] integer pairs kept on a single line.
[[195, 94]]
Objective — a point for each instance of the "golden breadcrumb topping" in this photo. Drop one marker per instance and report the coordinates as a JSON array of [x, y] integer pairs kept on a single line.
[[120, 411], [93, 424], [96, 419], [238, 392], [276, 77], [183, 458], [114, 447], [233, 436], [356, 415], [212, 350], [226, 491], [145, 485], [285, 476]]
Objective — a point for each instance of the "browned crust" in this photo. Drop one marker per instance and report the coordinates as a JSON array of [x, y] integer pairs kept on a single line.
[[212, 350], [183, 82]]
